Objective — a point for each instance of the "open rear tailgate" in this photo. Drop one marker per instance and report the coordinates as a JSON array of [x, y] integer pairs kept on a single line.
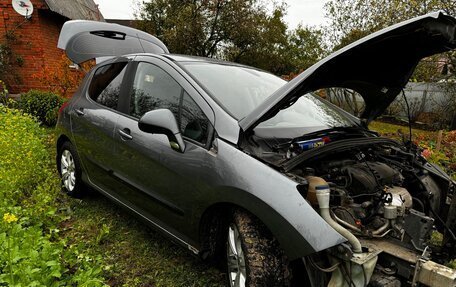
[[84, 40]]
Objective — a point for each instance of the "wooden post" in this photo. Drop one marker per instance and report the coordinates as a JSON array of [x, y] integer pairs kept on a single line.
[[439, 140]]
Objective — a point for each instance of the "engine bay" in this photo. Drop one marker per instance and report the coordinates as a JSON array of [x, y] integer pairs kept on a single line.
[[376, 193], [382, 192]]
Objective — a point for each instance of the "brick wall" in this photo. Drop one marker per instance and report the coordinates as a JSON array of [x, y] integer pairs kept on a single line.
[[34, 45]]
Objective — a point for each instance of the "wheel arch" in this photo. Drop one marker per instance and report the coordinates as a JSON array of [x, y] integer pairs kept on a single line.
[[78, 187], [211, 231], [218, 214], [61, 140]]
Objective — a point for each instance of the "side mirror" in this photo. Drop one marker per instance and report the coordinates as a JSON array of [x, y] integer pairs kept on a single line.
[[162, 121]]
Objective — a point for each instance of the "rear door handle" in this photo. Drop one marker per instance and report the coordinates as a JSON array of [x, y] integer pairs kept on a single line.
[[125, 134], [80, 111]]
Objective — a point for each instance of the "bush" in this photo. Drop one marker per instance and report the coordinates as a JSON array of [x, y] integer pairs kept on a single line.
[[42, 105], [22, 155], [3, 93], [32, 251], [60, 78]]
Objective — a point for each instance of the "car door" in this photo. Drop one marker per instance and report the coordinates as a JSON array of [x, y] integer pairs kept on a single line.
[[93, 119], [153, 186]]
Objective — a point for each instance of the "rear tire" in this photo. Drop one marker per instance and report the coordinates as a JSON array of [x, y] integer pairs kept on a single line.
[[69, 167], [254, 257]]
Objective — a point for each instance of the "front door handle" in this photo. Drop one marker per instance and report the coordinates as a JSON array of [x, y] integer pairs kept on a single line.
[[125, 134], [80, 111]]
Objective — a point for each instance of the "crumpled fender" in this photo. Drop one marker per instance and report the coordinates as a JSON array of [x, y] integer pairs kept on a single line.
[[275, 200]]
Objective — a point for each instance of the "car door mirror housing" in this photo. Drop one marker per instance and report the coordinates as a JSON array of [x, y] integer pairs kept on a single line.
[[162, 121]]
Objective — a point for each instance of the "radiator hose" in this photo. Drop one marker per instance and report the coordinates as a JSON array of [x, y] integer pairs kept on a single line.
[[323, 194]]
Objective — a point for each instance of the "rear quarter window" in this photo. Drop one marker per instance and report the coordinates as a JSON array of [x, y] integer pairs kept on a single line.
[[106, 82]]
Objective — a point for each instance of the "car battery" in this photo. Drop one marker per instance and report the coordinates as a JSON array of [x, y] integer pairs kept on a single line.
[[311, 144]]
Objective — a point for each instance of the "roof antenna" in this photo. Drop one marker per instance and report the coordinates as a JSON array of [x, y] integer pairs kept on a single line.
[[409, 117]]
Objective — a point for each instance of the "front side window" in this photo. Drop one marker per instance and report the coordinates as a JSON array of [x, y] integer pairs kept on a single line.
[[193, 123], [154, 89], [106, 82]]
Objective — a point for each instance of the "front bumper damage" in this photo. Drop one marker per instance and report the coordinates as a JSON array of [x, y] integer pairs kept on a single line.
[[419, 269]]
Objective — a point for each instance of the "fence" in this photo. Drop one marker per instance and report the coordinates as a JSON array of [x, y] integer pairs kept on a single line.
[[433, 104]]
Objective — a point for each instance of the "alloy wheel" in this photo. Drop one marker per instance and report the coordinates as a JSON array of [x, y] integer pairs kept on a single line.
[[236, 259], [68, 170]]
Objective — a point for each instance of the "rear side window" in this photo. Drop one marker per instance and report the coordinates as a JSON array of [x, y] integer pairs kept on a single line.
[[105, 86]]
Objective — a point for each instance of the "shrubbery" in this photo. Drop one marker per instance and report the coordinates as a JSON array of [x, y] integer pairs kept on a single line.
[[3, 93], [32, 253], [445, 157], [42, 105]]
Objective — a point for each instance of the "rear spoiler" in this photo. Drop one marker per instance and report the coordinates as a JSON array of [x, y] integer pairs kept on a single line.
[[84, 40]]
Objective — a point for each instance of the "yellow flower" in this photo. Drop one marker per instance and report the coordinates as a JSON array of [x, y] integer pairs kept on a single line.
[[8, 218]]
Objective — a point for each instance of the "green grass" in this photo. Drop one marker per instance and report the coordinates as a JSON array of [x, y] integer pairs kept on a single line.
[[452, 264], [445, 157], [132, 254], [398, 131]]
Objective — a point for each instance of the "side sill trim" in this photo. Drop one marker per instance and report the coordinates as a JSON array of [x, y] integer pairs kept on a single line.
[[158, 226]]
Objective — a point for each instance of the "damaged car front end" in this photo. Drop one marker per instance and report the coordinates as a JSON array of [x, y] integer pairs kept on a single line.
[[382, 196]]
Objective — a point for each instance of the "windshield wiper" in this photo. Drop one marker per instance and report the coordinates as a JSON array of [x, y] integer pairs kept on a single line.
[[347, 131], [340, 130]]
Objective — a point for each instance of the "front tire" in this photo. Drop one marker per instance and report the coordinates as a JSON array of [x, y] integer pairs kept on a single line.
[[69, 167], [254, 257]]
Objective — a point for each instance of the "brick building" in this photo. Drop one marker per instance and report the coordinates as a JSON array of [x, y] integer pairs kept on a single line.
[[33, 42]]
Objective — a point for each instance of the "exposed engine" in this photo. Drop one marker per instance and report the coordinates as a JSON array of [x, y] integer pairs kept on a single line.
[[370, 199], [382, 196], [377, 193]]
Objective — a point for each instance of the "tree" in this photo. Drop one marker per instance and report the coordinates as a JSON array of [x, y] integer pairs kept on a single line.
[[204, 27], [305, 47], [371, 15], [259, 42], [351, 20], [245, 31]]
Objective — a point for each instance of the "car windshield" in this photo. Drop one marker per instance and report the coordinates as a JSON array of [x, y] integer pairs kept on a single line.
[[311, 113], [239, 90]]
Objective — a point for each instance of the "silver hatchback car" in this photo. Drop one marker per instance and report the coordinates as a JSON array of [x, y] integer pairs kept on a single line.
[[258, 174]]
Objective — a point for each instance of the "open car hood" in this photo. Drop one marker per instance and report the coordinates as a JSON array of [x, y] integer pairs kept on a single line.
[[377, 66], [84, 40]]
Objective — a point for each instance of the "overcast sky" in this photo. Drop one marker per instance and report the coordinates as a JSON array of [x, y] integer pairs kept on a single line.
[[309, 12]]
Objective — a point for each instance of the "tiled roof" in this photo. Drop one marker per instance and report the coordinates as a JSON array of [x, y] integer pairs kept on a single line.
[[76, 9], [129, 23]]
